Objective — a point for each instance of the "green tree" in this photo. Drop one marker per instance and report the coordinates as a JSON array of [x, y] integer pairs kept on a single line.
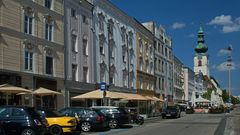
[[207, 95]]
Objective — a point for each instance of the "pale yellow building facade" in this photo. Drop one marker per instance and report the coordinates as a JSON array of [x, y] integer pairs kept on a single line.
[[32, 48]]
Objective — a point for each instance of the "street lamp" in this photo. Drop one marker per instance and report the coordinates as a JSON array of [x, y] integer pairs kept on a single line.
[[229, 65]]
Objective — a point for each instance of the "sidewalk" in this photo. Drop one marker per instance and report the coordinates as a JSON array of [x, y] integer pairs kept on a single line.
[[233, 122]]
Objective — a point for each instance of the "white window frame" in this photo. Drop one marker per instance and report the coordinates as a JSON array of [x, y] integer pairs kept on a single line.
[[51, 6], [85, 46], [28, 61], [48, 31], [76, 72], [75, 46], [28, 25], [87, 74], [46, 65]]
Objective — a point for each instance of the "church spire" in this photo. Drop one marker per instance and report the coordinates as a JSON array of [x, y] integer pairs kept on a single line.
[[201, 47]]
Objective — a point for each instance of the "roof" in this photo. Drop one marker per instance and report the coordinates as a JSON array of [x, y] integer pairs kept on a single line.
[[104, 107]]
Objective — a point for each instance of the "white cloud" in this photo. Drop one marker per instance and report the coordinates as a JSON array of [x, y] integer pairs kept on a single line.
[[231, 28], [178, 25], [223, 66], [223, 52], [221, 20], [226, 22]]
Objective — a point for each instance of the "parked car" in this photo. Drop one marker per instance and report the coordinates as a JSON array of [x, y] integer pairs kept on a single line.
[[171, 111], [89, 119], [21, 120], [134, 117], [58, 123], [115, 115]]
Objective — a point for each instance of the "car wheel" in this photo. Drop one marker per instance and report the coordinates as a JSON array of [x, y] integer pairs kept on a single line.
[[27, 131], [2, 132], [113, 123], [86, 126], [55, 130]]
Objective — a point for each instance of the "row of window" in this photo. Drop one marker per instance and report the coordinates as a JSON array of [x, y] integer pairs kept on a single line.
[[29, 59], [112, 78], [161, 50], [29, 27], [74, 44], [75, 73], [145, 85]]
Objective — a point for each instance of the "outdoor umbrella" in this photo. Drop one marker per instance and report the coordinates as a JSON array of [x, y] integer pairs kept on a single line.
[[45, 92], [10, 89], [98, 94]]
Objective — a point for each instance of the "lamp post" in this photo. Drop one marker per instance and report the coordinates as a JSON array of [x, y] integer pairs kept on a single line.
[[229, 65]]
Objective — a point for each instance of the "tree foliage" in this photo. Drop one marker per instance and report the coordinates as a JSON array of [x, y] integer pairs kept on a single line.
[[207, 94]]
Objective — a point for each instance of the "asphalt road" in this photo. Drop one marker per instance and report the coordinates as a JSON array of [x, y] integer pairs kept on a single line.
[[190, 124]]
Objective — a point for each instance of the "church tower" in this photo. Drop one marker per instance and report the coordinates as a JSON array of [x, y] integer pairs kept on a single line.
[[201, 57]]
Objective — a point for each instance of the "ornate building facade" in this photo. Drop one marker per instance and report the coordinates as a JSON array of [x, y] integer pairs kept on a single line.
[[115, 47], [80, 76], [32, 48]]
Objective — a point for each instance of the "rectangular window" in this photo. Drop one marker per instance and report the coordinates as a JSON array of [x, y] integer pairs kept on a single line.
[[85, 20], [28, 61], [48, 31], [73, 12], [124, 81], [49, 65], [48, 4], [85, 74], [111, 80], [101, 25], [74, 43], [28, 24], [74, 72], [85, 47], [141, 84], [101, 48]]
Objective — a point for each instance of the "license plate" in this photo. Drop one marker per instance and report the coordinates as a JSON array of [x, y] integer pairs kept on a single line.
[[168, 114]]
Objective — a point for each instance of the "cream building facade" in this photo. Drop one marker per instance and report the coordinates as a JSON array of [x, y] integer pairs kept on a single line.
[[32, 48]]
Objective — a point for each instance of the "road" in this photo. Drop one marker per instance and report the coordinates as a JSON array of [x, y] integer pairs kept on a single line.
[[190, 124]]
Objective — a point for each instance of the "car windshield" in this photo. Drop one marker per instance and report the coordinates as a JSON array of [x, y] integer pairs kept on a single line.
[[171, 108], [32, 112]]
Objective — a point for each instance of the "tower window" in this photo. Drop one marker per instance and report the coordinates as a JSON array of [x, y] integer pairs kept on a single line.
[[199, 63]]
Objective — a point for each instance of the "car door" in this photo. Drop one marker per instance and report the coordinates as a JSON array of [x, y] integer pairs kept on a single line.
[[18, 119], [5, 119]]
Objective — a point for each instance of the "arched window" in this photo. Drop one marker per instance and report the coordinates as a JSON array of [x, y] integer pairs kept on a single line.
[[199, 63]]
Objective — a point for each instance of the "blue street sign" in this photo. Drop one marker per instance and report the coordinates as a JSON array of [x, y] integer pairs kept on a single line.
[[103, 86]]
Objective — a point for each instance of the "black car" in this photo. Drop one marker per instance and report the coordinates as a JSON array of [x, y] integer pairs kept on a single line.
[[115, 115], [171, 111], [89, 118], [21, 120]]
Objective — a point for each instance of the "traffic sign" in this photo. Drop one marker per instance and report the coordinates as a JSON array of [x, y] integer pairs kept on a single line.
[[103, 86]]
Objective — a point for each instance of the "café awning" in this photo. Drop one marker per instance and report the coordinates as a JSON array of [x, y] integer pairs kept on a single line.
[[98, 94], [45, 92], [10, 89]]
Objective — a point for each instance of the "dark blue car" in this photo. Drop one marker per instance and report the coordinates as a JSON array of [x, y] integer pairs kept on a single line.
[[21, 120], [89, 118], [115, 115]]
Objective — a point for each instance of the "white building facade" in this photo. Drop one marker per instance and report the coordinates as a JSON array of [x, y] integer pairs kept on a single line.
[[163, 61], [115, 47], [189, 84], [80, 76]]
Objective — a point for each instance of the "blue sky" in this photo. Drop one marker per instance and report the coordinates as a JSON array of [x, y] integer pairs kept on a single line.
[[182, 18]]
